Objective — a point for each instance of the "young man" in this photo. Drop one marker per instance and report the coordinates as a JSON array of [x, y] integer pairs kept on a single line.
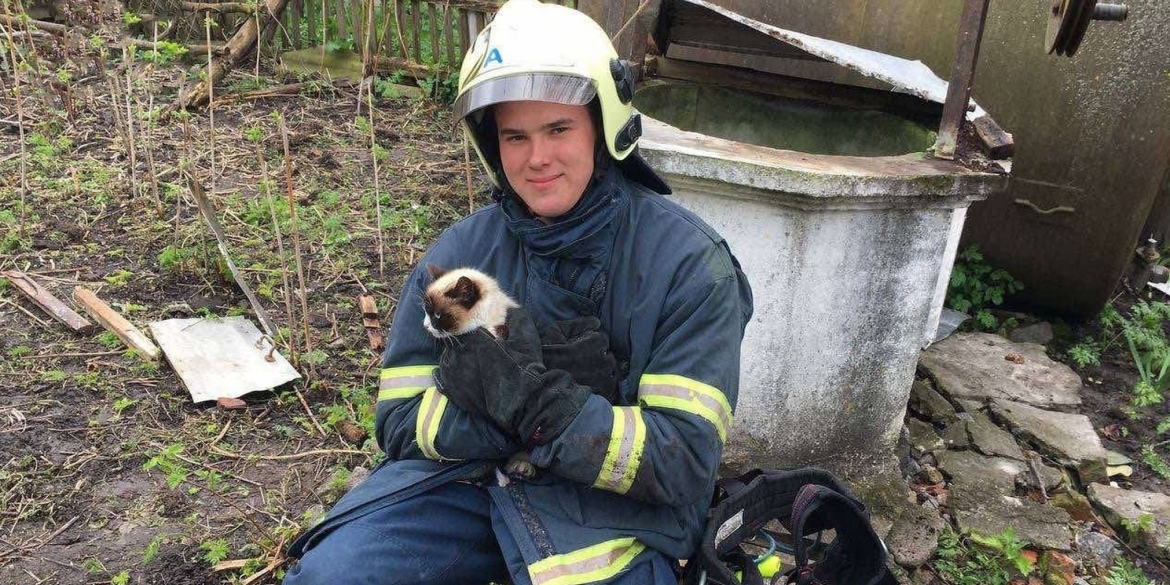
[[623, 403]]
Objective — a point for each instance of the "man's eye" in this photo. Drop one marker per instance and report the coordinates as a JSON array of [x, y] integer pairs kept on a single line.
[[514, 138], [560, 129]]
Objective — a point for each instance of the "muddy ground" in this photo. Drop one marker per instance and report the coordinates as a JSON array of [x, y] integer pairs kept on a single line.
[[108, 472]]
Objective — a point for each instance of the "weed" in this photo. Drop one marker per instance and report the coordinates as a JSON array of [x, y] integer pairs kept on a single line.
[[109, 340], [18, 351], [122, 404], [1086, 353], [92, 565], [169, 463], [119, 278], [173, 259], [152, 549], [1124, 572], [971, 559], [1155, 461], [1133, 528], [122, 578], [976, 287], [54, 376], [214, 550]]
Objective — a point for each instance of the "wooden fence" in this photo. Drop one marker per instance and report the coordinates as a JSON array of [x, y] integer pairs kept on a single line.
[[413, 34]]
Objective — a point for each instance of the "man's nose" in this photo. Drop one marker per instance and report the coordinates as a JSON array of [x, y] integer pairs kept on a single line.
[[541, 153]]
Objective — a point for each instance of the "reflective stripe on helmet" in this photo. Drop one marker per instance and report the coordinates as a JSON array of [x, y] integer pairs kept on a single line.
[[404, 382], [624, 454], [570, 90], [594, 563], [426, 428], [682, 393]]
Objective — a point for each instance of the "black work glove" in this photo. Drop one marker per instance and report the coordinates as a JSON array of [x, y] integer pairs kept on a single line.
[[579, 347], [505, 380]]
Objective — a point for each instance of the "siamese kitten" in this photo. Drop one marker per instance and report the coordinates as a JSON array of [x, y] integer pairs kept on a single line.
[[460, 301]]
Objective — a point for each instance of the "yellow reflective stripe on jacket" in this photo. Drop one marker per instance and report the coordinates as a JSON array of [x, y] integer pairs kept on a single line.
[[426, 427], [624, 454], [682, 393], [404, 382], [595, 563]]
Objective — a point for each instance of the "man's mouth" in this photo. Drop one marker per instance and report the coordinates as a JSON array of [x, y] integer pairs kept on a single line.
[[542, 181]]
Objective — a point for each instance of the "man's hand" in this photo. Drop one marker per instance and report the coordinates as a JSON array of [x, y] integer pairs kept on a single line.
[[505, 380], [579, 347]]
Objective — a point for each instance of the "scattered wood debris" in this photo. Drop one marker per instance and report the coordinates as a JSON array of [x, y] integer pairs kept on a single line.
[[49, 303], [353, 433], [226, 403], [1014, 358], [370, 321], [112, 321]]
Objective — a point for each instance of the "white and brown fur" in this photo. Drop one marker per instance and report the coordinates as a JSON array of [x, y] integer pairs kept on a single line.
[[460, 301]]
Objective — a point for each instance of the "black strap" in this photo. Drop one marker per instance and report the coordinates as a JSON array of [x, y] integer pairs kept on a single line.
[[805, 501]]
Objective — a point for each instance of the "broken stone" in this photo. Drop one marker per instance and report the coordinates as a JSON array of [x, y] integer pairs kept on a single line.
[[1015, 358], [1058, 568], [1077, 506], [1096, 549], [1144, 517], [353, 433], [923, 439], [1051, 478], [929, 404], [981, 498], [1068, 438], [972, 366], [992, 440], [913, 539], [955, 435], [930, 474], [1039, 333], [989, 512], [993, 474]]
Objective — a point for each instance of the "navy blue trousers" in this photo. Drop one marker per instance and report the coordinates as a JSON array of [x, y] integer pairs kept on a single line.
[[450, 535]]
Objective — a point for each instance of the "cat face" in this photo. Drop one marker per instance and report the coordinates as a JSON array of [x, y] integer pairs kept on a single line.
[[449, 302]]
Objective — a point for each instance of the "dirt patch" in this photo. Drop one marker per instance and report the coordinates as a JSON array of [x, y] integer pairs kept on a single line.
[[107, 471]]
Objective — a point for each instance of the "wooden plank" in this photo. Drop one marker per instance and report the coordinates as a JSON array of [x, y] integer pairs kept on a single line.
[[434, 33], [47, 302], [312, 21], [449, 36], [464, 42], [400, 28], [371, 322], [341, 20], [112, 321], [294, 29], [416, 24]]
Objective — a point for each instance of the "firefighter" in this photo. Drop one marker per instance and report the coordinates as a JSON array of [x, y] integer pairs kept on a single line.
[[623, 403]]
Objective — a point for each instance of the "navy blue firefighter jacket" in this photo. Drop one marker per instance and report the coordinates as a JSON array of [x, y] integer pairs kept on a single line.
[[621, 478]]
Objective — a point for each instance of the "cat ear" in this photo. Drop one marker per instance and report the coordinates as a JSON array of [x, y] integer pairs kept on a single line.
[[466, 292], [435, 271]]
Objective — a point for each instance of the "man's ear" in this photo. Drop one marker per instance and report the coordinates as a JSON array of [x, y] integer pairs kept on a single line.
[[435, 271]]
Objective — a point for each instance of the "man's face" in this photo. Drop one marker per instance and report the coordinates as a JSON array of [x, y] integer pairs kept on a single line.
[[547, 153]]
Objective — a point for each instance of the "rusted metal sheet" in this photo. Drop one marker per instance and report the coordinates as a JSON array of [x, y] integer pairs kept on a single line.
[[962, 76], [221, 358], [903, 75]]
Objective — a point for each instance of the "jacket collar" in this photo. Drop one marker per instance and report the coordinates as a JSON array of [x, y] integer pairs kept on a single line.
[[573, 234]]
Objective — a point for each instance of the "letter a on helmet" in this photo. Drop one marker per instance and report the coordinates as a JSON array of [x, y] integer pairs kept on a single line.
[[545, 52]]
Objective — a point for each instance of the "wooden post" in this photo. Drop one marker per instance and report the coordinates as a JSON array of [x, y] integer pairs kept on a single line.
[[962, 77], [111, 320], [47, 302]]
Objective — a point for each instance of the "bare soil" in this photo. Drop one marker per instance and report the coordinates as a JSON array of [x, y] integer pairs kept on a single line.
[[108, 471]]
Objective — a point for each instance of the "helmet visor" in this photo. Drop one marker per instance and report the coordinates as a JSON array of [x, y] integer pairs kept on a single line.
[[570, 90]]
